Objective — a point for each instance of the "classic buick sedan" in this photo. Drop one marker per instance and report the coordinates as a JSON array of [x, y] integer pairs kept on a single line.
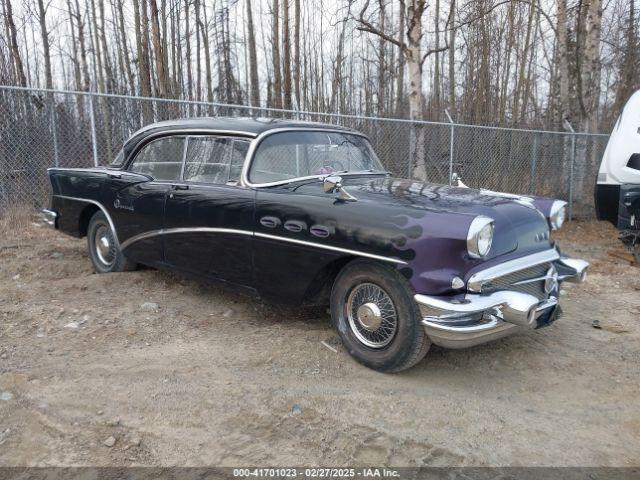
[[305, 213]]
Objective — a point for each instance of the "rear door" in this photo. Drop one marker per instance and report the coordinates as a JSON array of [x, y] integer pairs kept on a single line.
[[208, 216], [137, 197]]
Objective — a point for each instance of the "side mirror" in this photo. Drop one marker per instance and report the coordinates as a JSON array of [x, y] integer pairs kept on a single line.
[[333, 184]]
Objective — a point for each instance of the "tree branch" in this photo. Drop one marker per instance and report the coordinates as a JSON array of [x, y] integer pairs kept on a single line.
[[367, 26], [446, 40]]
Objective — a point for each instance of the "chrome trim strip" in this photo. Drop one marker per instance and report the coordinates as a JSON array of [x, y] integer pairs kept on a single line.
[[531, 280], [244, 177], [493, 323], [104, 170], [332, 248], [169, 231], [475, 282], [101, 207]]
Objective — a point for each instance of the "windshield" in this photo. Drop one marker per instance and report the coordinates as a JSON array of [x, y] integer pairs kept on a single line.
[[288, 155]]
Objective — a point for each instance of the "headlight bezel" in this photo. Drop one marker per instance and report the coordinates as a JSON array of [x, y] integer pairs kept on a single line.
[[479, 225], [557, 214]]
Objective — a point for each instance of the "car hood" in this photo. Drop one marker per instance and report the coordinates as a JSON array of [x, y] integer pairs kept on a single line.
[[519, 225]]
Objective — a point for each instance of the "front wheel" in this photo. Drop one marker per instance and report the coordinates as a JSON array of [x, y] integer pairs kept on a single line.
[[103, 250], [377, 319]]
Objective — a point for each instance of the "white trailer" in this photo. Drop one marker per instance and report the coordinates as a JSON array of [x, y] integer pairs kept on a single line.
[[617, 194]]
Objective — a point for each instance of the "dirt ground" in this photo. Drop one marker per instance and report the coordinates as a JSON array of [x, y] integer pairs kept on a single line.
[[172, 372]]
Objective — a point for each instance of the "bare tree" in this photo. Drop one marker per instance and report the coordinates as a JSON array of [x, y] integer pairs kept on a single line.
[[254, 87], [13, 42], [286, 47], [275, 48], [42, 18]]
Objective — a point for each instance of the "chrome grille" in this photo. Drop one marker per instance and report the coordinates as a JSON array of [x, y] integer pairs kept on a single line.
[[507, 282]]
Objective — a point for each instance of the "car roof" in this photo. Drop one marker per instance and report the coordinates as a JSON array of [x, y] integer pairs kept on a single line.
[[247, 126]]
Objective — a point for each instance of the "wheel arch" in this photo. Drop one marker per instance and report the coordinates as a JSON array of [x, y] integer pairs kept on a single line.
[[85, 217], [319, 290]]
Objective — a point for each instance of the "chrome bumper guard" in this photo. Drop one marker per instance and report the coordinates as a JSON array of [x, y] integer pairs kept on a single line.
[[50, 217], [476, 318]]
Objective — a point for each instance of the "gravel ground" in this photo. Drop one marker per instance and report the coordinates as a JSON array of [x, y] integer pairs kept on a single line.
[[148, 368]]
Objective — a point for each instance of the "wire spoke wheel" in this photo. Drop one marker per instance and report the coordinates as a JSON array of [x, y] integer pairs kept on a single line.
[[372, 315]]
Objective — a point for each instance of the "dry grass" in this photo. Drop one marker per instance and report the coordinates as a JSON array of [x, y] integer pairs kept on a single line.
[[14, 222]]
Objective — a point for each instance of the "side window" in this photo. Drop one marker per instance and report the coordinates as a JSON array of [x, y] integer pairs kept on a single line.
[[215, 160], [207, 160], [161, 159]]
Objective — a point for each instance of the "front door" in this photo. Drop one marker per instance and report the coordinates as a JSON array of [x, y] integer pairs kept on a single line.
[[208, 216]]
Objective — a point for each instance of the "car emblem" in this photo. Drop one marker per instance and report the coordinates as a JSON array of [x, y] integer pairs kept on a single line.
[[120, 205], [551, 280]]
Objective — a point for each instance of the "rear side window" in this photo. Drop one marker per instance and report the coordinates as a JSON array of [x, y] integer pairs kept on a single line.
[[214, 160], [161, 159]]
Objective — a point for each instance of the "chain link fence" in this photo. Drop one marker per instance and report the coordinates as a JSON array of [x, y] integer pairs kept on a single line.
[[45, 128]]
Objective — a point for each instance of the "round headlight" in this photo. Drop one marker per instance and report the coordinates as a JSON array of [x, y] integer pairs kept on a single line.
[[480, 237], [557, 214]]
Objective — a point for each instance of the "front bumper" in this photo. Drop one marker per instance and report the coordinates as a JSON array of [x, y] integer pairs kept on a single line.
[[455, 322]]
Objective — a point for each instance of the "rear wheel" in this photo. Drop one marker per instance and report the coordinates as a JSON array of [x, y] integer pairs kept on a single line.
[[377, 319], [103, 249]]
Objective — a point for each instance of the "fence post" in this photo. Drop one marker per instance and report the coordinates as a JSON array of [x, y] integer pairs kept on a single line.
[[94, 142], [54, 130], [450, 146], [571, 166], [534, 159]]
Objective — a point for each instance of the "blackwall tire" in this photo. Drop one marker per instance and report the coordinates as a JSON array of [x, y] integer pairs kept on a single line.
[[372, 308], [105, 255]]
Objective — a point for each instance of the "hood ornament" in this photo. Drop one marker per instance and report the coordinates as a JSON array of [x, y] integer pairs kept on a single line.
[[456, 181], [333, 184]]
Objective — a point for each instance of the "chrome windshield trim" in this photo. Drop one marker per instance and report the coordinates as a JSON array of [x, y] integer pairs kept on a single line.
[[244, 177], [168, 231], [101, 207], [475, 282]]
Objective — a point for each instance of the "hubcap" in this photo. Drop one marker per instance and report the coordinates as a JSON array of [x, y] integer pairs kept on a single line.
[[372, 315], [105, 248], [369, 316]]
